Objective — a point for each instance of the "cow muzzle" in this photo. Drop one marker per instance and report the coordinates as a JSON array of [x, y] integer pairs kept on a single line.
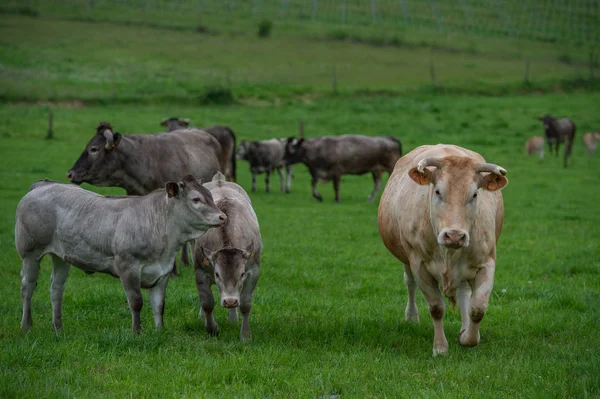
[[230, 302], [72, 177], [453, 238]]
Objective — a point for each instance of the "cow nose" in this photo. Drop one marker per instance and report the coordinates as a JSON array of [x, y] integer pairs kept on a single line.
[[230, 302], [454, 238], [70, 176], [222, 218]]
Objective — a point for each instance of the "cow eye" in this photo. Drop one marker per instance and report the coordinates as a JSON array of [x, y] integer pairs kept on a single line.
[[243, 274], [94, 150], [475, 195], [196, 200], [437, 192], [217, 275]]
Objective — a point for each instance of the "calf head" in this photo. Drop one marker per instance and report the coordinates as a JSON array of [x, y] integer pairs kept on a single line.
[[455, 185], [194, 207], [230, 272], [174, 123], [294, 151], [242, 151], [98, 162]]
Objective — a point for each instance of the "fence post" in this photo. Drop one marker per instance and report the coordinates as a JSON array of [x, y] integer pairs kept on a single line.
[[431, 68], [526, 78], [313, 11], [301, 129], [374, 10], [50, 134], [344, 11], [334, 80]]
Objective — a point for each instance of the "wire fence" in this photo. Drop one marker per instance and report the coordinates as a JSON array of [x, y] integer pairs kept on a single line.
[[549, 20]]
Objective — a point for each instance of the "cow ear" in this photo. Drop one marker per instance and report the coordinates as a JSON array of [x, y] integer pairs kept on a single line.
[[493, 182], [117, 139], [164, 122], [421, 178], [301, 142], [172, 189], [207, 255]]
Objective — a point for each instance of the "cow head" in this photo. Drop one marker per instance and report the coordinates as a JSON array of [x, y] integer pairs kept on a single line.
[[546, 120], [229, 272], [455, 186], [242, 151], [174, 123], [97, 163], [193, 205], [294, 151]]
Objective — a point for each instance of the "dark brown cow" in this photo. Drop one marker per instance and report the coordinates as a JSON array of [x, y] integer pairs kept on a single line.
[[559, 131]]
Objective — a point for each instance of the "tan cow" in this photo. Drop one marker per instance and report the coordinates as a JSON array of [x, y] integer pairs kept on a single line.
[[590, 141], [441, 215], [535, 145]]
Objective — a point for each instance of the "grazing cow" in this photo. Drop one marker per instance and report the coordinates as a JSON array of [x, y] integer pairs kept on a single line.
[[441, 214], [265, 156], [558, 131], [132, 238], [229, 257], [535, 145], [224, 136], [590, 142], [330, 157]]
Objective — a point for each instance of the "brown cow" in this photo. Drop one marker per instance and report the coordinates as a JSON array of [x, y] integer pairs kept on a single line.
[[535, 145], [441, 214], [590, 142]]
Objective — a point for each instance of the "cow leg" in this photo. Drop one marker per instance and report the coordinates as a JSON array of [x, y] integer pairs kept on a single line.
[[336, 187], [232, 316], [267, 180], [185, 257], [377, 181], [157, 300], [542, 154], [29, 275], [482, 288], [313, 183], [207, 302], [246, 306], [60, 272], [437, 306], [411, 314], [281, 180], [288, 183], [463, 298], [132, 282], [253, 181]]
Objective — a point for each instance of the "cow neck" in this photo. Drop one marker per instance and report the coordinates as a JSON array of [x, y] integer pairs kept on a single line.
[[126, 150]]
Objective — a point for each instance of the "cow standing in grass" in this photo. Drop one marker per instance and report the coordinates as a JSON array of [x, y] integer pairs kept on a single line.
[[331, 157], [265, 156], [441, 214], [535, 145], [224, 135], [559, 131], [229, 257], [590, 142], [132, 238]]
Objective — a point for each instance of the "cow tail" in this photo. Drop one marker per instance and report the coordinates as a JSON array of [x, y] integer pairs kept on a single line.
[[233, 157]]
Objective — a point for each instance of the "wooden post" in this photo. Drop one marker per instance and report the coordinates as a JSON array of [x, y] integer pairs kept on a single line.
[[301, 129], [526, 78], [50, 134], [334, 80]]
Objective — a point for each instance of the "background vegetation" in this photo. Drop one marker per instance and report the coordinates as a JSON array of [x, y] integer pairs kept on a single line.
[[328, 315]]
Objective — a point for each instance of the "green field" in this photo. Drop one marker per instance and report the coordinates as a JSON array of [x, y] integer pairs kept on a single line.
[[328, 313]]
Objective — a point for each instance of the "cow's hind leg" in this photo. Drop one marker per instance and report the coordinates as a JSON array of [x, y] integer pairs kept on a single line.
[[268, 180], [437, 306], [253, 181], [132, 283], [482, 289], [411, 314], [29, 275], [207, 302], [60, 272], [336, 187], [313, 183], [377, 182], [157, 300]]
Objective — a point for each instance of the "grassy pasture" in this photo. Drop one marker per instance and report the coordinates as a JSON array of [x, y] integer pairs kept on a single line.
[[328, 311]]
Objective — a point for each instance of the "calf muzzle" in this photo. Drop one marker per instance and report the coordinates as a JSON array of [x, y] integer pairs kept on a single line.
[[230, 302], [453, 238]]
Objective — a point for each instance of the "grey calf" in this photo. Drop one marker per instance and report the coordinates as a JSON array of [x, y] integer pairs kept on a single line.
[[229, 257], [132, 238], [559, 131], [264, 157]]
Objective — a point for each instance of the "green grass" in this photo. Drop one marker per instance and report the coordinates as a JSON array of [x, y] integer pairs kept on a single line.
[[328, 314]]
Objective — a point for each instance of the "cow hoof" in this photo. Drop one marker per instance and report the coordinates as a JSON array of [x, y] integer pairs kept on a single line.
[[319, 198], [467, 342], [213, 332], [440, 351], [411, 317]]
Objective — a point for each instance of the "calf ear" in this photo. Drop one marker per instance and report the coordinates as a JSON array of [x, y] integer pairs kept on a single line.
[[421, 178], [172, 189], [207, 254], [493, 182], [117, 139]]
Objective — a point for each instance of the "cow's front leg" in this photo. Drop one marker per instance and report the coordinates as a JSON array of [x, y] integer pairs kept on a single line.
[[246, 306], [482, 288], [253, 181], [157, 299], [207, 301], [288, 182], [336, 187], [463, 298], [313, 183], [132, 282], [60, 272], [437, 306], [376, 185], [411, 313], [281, 179]]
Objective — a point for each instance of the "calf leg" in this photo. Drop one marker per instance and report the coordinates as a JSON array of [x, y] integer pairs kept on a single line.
[[288, 183], [232, 316], [60, 272], [313, 183], [29, 275], [267, 180], [157, 300], [281, 180], [132, 282], [336, 187], [437, 306], [253, 181], [377, 182], [246, 306], [185, 257], [207, 302], [411, 314], [482, 289]]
